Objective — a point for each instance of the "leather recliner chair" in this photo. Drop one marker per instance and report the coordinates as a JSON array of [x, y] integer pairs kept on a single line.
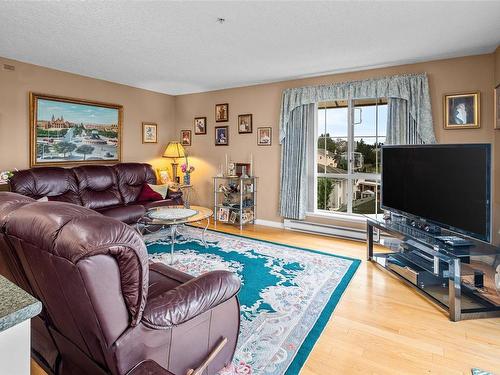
[[106, 308]]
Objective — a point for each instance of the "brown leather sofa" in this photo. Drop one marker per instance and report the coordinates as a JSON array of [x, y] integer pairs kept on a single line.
[[111, 190], [105, 307]]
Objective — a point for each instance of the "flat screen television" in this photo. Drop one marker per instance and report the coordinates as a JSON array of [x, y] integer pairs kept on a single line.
[[446, 185]]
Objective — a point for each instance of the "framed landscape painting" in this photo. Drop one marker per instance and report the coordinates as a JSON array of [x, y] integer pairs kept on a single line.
[[66, 131]]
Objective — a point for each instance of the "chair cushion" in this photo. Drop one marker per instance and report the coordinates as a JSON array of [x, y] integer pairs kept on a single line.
[[98, 186], [149, 195], [128, 214]]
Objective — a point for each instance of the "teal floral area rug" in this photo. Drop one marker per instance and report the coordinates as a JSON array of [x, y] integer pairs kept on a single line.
[[287, 296]]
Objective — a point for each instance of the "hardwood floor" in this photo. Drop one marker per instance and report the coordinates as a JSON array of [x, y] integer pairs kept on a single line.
[[381, 326]]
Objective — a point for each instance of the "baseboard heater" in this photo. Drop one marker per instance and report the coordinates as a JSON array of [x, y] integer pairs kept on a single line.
[[326, 229]]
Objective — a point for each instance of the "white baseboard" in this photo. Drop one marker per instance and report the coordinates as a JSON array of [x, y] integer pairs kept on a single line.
[[269, 223], [326, 229]]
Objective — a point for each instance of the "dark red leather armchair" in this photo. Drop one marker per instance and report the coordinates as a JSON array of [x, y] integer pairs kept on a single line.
[[106, 308], [111, 190]]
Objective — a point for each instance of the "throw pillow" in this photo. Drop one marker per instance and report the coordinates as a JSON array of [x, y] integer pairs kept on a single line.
[[149, 195], [160, 189]]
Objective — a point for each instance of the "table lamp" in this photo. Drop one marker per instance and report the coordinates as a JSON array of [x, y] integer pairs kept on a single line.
[[174, 151]]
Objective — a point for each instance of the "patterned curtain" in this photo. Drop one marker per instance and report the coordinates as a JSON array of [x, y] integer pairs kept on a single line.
[[401, 127], [410, 121], [414, 88], [294, 155]]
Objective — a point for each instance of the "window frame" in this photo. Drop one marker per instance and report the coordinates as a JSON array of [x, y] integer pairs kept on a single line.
[[350, 174]]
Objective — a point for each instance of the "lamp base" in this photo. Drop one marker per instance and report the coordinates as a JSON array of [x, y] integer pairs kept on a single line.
[[174, 171]]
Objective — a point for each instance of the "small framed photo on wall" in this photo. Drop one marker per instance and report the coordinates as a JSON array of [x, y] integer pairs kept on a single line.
[[245, 123], [149, 132], [461, 111], [264, 136], [221, 135], [222, 112], [200, 125], [497, 107], [186, 137]]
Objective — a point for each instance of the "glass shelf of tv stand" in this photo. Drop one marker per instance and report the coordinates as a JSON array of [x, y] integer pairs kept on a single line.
[[460, 280]]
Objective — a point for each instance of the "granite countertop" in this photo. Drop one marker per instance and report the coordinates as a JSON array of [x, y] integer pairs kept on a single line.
[[16, 305]]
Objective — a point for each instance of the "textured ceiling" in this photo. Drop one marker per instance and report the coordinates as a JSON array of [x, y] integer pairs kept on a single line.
[[178, 47]]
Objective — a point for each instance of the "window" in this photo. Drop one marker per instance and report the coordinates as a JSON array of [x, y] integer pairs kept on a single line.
[[357, 128]]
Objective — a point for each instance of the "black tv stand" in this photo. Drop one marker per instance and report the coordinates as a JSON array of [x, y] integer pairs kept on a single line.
[[459, 279]]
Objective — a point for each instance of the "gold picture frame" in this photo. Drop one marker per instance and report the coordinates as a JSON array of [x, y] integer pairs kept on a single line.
[[149, 132], [496, 107], [462, 110], [222, 112], [95, 131]]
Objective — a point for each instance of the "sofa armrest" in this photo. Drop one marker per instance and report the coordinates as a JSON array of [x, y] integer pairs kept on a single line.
[[169, 272], [178, 305]]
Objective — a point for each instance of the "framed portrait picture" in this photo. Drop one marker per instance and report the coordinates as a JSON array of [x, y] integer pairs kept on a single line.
[[233, 217], [264, 136], [221, 135], [200, 125], [186, 137], [461, 111], [222, 112], [497, 107], [244, 123], [223, 214], [66, 131], [149, 132]]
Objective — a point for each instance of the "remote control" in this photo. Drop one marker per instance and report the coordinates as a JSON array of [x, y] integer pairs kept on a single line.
[[454, 240]]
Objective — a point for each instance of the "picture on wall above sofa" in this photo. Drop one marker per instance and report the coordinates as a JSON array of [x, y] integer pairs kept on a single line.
[[149, 132], [66, 131]]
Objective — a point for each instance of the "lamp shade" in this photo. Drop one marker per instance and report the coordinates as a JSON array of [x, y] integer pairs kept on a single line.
[[174, 150]]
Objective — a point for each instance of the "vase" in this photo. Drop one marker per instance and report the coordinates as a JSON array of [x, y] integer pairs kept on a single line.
[[187, 179]]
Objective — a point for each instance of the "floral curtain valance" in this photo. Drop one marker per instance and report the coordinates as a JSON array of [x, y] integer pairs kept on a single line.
[[414, 88]]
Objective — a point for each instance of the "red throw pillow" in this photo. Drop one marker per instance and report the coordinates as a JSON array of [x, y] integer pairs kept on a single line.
[[148, 194]]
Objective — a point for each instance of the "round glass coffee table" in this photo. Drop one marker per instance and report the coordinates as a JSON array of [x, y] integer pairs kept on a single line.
[[172, 217]]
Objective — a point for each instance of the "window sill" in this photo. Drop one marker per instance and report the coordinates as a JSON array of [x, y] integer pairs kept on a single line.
[[337, 216]]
